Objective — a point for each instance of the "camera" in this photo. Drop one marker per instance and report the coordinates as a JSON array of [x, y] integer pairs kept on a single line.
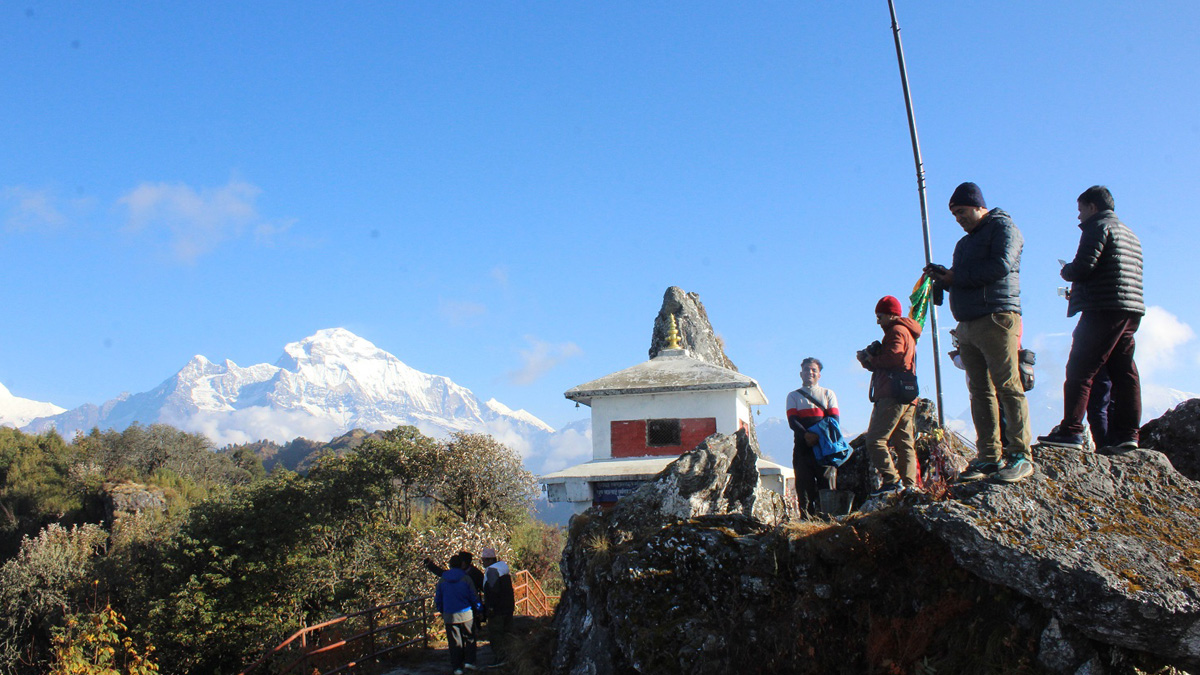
[[864, 355]]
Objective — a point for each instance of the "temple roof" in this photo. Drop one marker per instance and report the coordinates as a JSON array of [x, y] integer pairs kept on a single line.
[[673, 370]]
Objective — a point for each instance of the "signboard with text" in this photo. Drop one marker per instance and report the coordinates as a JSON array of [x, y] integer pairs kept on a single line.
[[610, 491]]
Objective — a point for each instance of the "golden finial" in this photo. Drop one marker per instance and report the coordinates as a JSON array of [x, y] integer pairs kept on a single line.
[[672, 334]]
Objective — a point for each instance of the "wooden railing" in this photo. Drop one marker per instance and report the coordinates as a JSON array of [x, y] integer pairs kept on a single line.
[[531, 600], [326, 647], [337, 645]]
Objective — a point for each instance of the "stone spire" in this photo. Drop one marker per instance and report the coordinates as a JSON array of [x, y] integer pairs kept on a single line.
[[683, 311], [695, 332]]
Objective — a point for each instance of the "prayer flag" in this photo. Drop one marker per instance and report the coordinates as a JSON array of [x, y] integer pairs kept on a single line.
[[921, 294]]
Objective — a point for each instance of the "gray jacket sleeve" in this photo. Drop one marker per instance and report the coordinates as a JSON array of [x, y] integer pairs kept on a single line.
[[1091, 245]]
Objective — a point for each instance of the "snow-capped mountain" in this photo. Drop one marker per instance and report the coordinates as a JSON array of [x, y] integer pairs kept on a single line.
[[17, 412], [321, 387], [775, 439], [1157, 400]]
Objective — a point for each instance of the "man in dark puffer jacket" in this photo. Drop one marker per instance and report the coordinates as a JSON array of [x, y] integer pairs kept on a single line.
[[985, 297], [1106, 290]]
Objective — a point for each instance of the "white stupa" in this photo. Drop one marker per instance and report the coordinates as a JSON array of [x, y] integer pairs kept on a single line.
[[645, 416]]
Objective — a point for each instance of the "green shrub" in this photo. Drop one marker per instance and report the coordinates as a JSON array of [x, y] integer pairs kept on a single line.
[[40, 587], [97, 643]]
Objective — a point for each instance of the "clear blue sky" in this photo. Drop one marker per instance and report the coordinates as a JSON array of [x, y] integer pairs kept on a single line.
[[501, 192]]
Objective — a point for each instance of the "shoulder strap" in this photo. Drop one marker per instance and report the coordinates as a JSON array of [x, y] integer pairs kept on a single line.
[[815, 401]]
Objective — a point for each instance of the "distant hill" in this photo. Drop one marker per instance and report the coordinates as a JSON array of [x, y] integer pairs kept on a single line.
[[300, 453]]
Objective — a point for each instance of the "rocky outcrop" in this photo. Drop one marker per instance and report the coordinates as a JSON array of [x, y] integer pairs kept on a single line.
[[695, 332], [1177, 435], [1110, 545], [719, 477], [128, 498], [1090, 566], [696, 335], [717, 480]]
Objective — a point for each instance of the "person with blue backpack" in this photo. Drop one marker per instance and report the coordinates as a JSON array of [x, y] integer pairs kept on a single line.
[[892, 363], [808, 408]]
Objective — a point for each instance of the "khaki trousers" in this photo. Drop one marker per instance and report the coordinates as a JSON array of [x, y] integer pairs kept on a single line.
[[988, 347], [892, 423]]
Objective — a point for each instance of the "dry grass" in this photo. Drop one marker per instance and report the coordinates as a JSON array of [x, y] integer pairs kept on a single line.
[[798, 529], [598, 543], [532, 646]]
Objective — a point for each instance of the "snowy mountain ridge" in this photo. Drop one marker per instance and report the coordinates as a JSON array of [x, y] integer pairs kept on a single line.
[[322, 386], [17, 412]]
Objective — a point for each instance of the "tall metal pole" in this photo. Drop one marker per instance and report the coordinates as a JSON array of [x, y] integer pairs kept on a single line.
[[912, 129]]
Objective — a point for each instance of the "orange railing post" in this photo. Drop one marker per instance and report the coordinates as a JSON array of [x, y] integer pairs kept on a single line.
[[530, 598]]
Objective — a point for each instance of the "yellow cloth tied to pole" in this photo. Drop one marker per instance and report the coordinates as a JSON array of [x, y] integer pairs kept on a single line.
[[922, 296]]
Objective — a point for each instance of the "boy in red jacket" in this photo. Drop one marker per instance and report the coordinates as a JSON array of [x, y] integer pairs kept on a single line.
[[891, 419]]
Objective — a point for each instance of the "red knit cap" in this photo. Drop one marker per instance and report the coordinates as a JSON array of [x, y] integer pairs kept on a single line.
[[888, 305]]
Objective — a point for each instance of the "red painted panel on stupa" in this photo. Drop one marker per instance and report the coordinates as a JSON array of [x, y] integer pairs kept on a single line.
[[629, 437]]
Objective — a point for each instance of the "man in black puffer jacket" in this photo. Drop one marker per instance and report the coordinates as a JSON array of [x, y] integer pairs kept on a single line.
[[1106, 290]]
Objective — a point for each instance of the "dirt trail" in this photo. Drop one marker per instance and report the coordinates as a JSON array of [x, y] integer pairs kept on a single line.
[[436, 661]]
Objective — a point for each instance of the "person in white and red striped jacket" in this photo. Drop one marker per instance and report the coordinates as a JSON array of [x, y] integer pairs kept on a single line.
[[802, 414]]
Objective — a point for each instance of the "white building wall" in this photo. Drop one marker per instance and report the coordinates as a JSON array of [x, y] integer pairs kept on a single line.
[[744, 413], [725, 406]]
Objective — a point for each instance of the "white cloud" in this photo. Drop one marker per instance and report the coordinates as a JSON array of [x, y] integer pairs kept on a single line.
[[960, 427], [1159, 337], [266, 233], [541, 358], [194, 223], [500, 274], [566, 448], [256, 423], [432, 430], [1058, 343], [460, 312], [506, 432], [30, 209]]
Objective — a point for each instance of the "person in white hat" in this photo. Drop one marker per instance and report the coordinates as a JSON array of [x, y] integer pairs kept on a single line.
[[498, 602]]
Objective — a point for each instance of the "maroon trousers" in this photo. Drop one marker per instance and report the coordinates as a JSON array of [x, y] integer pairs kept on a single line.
[[1104, 339]]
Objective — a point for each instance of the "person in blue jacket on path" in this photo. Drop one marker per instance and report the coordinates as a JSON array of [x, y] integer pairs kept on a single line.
[[457, 599]]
